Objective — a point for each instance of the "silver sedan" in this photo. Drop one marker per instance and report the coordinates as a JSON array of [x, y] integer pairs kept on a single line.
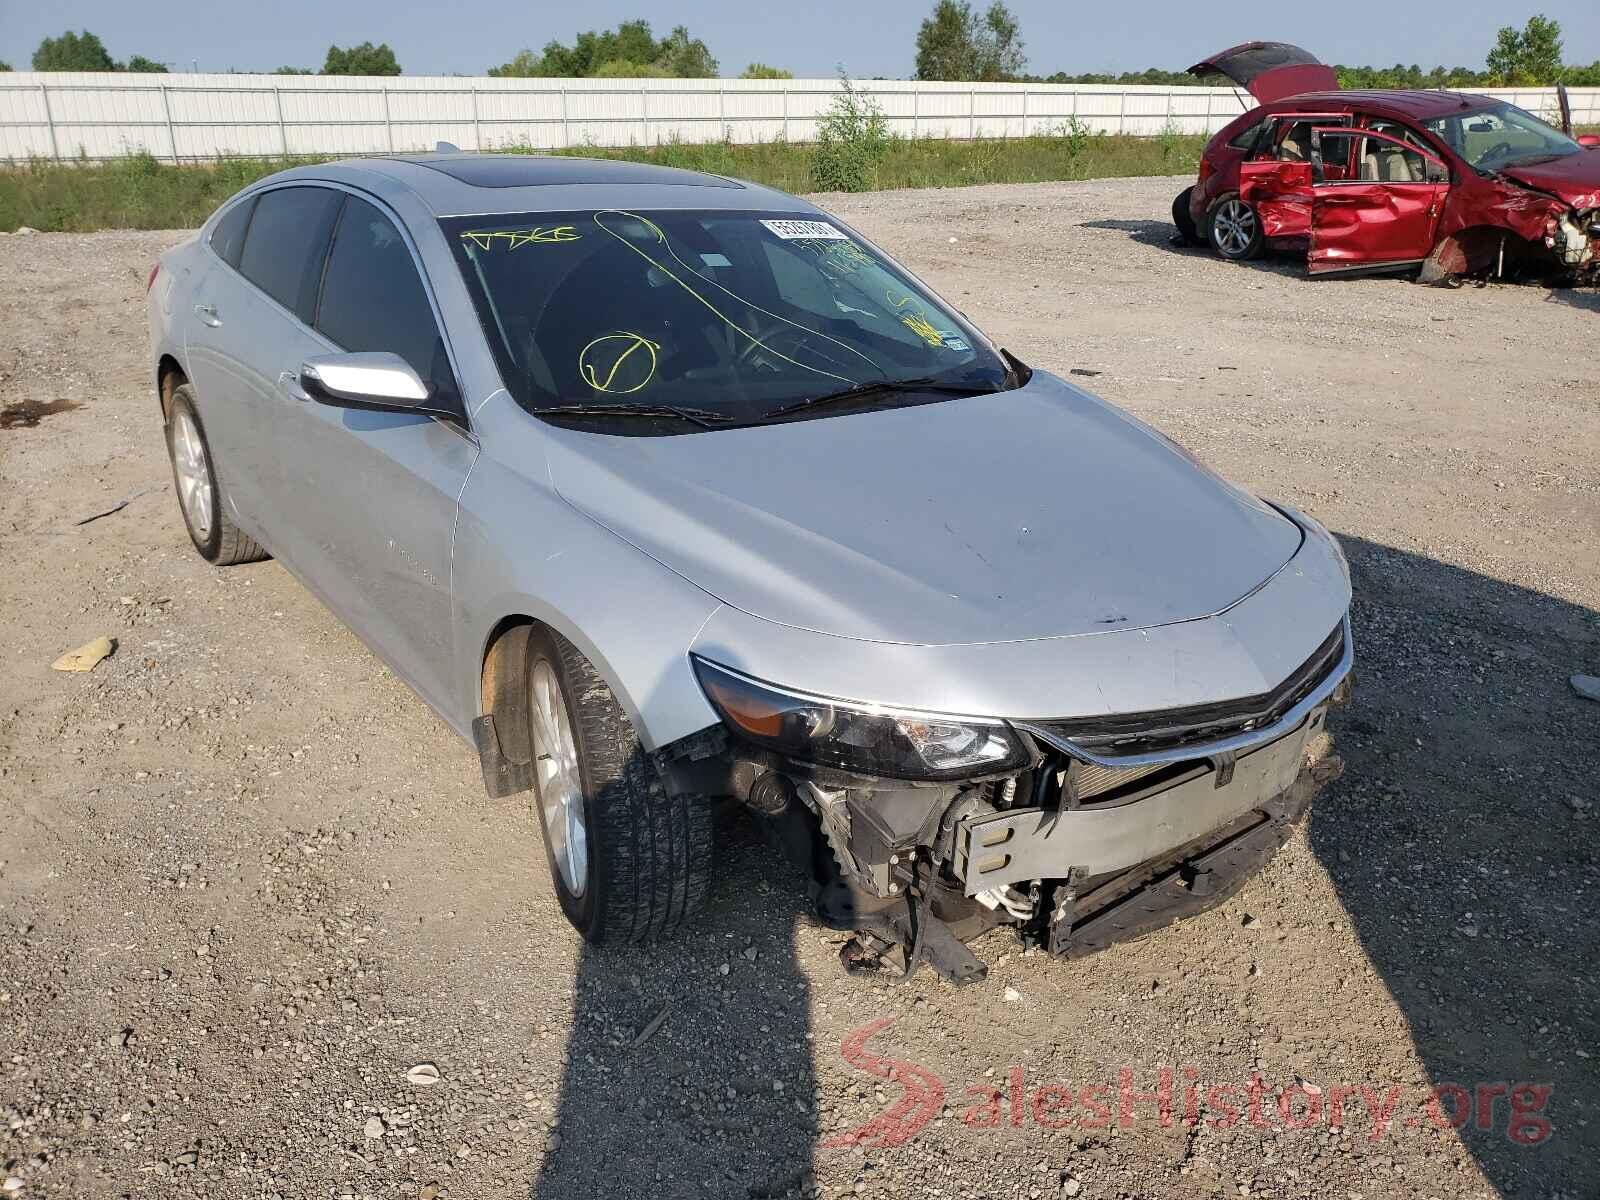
[[664, 489]]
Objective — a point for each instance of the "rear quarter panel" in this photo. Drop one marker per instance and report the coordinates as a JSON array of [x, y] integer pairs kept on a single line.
[[167, 299], [1222, 163]]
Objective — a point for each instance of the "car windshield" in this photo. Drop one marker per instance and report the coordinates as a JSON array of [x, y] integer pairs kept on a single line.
[[1492, 138], [706, 318]]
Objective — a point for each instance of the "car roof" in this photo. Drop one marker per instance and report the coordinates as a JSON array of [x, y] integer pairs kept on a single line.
[[1415, 105], [469, 184]]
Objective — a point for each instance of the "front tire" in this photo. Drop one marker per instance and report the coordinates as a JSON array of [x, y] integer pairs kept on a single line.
[[1234, 229], [629, 862], [194, 474]]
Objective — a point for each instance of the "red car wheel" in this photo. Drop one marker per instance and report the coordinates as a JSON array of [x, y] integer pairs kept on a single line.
[[1233, 229]]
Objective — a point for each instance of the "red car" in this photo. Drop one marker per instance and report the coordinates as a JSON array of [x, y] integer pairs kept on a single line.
[[1390, 181]]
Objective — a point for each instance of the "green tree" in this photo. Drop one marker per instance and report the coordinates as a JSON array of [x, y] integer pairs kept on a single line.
[[628, 51], [365, 59], [1526, 57], [147, 66], [294, 71], [956, 43], [525, 65], [1505, 56], [945, 42], [761, 71], [72, 52], [1000, 53], [4, 66], [1541, 49], [622, 68], [684, 57]]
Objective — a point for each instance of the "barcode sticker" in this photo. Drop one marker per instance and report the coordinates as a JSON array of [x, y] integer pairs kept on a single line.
[[805, 230]]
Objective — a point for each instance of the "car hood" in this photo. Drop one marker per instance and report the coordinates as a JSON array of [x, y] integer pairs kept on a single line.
[[1575, 179], [1038, 512]]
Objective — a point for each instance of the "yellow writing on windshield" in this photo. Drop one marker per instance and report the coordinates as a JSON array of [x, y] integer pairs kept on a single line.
[[515, 239], [837, 259], [657, 237], [916, 320], [618, 363]]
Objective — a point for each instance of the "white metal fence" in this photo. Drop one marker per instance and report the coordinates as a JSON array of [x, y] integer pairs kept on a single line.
[[68, 115]]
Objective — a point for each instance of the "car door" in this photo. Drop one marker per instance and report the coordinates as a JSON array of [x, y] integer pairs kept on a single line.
[[1387, 217], [246, 318], [371, 497], [1277, 180]]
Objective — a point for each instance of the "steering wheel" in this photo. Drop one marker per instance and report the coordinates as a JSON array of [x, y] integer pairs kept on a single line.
[[771, 343], [1497, 151]]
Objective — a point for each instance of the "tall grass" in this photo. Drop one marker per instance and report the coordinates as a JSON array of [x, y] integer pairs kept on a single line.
[[140, 192]]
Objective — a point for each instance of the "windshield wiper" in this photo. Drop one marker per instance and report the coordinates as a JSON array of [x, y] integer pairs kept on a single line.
[[863, 391], [1531, 160], [703, 417]]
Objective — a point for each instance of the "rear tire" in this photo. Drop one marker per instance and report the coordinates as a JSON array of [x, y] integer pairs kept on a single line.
[[194, 474], [1233, 229], [1187, 230], [629, 862]]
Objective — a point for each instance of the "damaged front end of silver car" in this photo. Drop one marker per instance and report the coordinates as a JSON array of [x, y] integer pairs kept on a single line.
[[918, 833]]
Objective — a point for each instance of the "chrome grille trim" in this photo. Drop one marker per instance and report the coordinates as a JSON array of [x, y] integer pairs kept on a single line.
[[1247, 739]]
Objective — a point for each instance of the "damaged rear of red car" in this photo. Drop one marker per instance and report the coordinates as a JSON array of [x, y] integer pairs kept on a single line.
[[1441, 183]]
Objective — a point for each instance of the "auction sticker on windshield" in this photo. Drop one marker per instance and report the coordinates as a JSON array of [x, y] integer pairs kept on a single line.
[[805, 230]]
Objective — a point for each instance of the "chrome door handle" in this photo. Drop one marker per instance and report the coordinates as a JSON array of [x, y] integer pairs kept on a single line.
[[289, 385], [207, 314]]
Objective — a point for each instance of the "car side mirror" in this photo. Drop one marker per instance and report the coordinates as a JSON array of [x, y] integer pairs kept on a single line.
[[1591, 140], [377, 381]]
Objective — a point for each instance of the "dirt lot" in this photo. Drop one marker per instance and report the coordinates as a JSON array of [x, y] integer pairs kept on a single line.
[[247, 882]]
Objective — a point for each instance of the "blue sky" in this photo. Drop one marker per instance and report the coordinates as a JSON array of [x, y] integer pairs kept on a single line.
[[875, 37]]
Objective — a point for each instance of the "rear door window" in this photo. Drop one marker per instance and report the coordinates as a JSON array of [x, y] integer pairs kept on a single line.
[[227, 238], [1289, 137], [1332, 160], [287, 242], [374, 299], [1245, 139]]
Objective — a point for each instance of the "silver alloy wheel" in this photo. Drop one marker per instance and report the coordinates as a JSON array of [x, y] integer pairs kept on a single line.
[[560, 787], [1233, 227], [194, 473]]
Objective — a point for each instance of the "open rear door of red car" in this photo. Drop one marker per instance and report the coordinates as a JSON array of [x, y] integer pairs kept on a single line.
[[1281, 193], [1386, 217], [1270, 70]]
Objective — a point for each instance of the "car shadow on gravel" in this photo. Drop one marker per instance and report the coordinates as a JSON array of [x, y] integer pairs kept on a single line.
[[1461, 841], [687, 1071], [1162, 236], [1586, 299]]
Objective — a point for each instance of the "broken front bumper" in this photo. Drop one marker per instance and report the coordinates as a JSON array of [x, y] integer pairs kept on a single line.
[[1186, 881], [1185, 781], [1022, 844]]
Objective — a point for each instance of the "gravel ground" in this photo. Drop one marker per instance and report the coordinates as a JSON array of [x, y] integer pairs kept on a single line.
[[248, 883]]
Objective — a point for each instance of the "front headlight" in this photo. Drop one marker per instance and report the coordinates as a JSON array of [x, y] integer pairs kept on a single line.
[[871, 741]]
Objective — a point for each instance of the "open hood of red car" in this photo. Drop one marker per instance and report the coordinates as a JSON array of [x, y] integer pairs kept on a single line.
[[1574, 178], [1270, 70]]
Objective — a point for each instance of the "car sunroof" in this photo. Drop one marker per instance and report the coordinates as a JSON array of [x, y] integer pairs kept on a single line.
[[533, 170]]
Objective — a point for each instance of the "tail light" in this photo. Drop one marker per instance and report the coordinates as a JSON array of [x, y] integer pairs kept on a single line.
[[151, 282], [1206, 169]]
